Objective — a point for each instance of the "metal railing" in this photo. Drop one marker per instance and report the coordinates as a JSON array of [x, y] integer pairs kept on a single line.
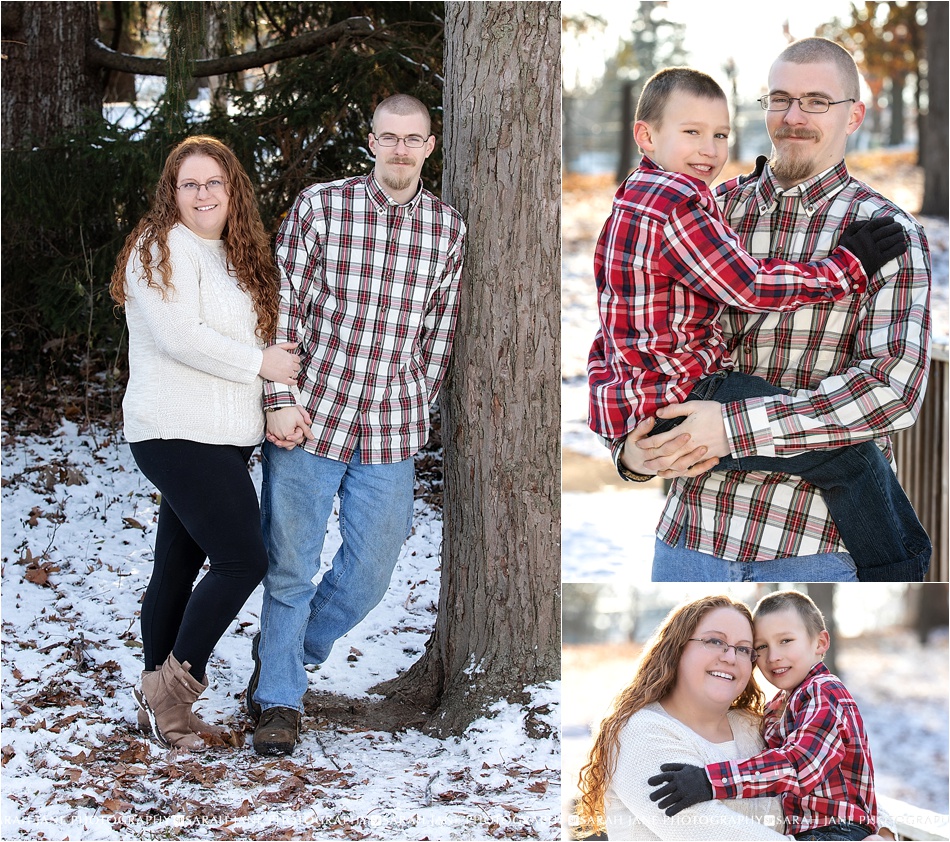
[[923, 464]]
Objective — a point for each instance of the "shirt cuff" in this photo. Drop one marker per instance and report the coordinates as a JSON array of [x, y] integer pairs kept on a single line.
[[721, 777], [616, 448], [747, 428], [277, 396]]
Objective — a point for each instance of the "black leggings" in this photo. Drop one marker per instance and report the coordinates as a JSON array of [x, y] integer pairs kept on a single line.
[[209, 510]]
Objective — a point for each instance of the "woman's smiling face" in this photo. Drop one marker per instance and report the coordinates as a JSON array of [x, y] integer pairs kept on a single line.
[[713, 678], [203, 210]]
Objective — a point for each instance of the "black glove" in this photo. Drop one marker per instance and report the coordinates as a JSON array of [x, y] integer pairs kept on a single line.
[[760, 163], [874, 242], [685, 786]]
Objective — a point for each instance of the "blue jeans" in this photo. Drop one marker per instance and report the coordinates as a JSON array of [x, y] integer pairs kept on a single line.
[[864, 498], [834, 831], [678, 564], [301, 621]]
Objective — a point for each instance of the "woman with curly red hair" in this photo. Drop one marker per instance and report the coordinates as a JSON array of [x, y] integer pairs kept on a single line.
[[200, 290], [692, 700]]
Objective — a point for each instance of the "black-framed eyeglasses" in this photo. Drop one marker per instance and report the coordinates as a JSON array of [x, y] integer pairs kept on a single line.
[[808, 104], [714, 644], [412, 141], [214, 185]]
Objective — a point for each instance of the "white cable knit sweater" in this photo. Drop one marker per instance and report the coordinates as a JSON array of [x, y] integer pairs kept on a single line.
[[194, 357], [652, 737]]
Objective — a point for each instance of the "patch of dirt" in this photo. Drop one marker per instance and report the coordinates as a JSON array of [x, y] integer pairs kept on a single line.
[[343, 713]]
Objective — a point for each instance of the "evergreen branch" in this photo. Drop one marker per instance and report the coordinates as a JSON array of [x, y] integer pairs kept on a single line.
[[99, 55]]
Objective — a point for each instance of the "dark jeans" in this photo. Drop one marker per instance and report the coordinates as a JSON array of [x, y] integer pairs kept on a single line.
[[874, 517], [209, 510], [838, 830]]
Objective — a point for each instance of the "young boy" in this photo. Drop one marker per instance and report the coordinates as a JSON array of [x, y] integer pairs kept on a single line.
[[818, 761], [665, 265]]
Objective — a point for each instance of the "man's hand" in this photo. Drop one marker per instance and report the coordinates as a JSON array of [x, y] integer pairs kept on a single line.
[[669, 455], [289, 426], [704, 425], [681, 786]]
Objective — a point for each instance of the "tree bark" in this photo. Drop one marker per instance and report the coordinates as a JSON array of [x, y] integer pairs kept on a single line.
[[934, 159], [498, 625], [47, 85]]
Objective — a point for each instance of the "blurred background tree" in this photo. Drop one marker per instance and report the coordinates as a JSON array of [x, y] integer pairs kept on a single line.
[[290, 86]]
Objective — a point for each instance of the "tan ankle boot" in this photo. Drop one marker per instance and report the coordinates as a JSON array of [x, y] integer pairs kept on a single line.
[[167, 695], [195, 723]]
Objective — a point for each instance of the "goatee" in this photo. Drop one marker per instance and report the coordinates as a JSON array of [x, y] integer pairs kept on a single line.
[[795, 164], [789, 170], [398, 184]]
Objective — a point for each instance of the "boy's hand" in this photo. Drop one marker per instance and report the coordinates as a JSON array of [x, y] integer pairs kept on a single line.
[[760, 163], [685, 785], [874, 242]]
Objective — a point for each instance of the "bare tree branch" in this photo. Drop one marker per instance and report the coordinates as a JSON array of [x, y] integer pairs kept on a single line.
[[99, 55]]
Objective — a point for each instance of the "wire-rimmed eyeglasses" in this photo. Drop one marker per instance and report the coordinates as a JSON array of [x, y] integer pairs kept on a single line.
[[213, 185], [808, 104], [714, 644], [412, 141]]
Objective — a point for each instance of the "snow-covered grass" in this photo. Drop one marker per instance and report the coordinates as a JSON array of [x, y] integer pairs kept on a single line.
[[78, 531]]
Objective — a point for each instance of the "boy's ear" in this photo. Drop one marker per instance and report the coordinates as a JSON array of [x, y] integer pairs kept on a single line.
[[643, 135], [824, 642]]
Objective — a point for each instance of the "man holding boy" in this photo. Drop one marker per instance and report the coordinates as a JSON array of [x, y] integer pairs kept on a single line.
[[856, 369], [817, 761], [370, 269]]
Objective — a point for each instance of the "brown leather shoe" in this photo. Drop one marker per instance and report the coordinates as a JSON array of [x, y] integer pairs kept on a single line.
[[277, 732]]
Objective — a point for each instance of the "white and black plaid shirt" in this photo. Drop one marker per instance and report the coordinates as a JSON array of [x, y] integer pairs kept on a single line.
[[369, 290], [857, 370]]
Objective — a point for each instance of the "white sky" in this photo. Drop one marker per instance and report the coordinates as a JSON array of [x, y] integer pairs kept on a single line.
[[751, 33]]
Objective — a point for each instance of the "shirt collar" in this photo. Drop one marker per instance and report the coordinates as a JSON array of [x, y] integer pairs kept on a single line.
[[647, 163], [812, 194], [382, 201]]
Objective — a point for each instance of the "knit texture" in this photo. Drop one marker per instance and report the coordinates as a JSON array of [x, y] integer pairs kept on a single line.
[[194, 356], [652, 737]]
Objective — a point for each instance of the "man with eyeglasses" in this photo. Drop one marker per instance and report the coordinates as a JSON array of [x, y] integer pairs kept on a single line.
[[856, 369], [370, 269]]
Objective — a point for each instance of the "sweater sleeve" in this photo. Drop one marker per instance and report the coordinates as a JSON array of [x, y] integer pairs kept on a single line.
[[646, 742], [177, 328]]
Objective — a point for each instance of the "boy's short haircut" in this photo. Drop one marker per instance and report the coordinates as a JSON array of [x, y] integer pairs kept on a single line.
[[780, 600], [660, 85]]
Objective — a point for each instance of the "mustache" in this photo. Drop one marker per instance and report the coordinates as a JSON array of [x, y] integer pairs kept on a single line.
[[808, 134], [396, 159]]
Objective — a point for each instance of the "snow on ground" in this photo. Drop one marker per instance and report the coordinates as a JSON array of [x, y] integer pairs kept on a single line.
[[78, 531], [609, 532], [900, 687]]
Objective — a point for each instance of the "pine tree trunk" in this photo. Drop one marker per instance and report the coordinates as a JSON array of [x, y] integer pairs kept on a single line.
[[47, 85], [498, 624]]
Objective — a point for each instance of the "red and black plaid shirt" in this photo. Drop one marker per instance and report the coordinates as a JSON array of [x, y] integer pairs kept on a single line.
[[856, 368], [370, 292], [666, 264], [818, 761]]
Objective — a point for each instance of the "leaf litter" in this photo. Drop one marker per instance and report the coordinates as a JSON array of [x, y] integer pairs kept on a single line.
[[78, 530]]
